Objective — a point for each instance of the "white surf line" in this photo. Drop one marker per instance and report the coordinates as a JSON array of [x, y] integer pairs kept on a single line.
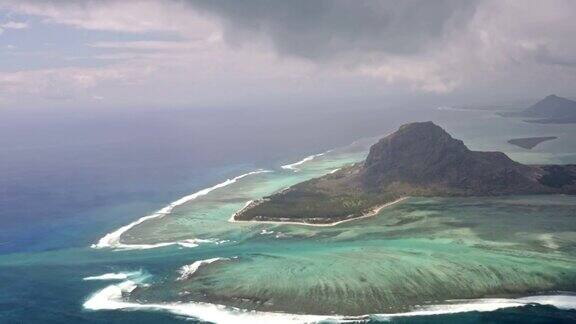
[[448, 108], [114, 276], [246, 205], [112, 240], [304, 160], [548, 241], [111, 298], [374, 212], [293, 166], [565, 302], [189, 243], [189, 269]]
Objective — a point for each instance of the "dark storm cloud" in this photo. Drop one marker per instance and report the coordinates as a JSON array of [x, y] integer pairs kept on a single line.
[[332, 28]]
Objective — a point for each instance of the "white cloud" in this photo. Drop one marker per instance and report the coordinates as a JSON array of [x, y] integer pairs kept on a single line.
[[14, 25], [134, 16], [507, 46], [419, 76], [65, 83], [523, 47], [150, 45]]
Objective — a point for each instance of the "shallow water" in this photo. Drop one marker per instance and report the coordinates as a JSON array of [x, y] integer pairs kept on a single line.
[[418, 252], [414, 258]]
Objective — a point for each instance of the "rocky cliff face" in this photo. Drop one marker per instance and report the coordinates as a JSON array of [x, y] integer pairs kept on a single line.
[[423, 155]]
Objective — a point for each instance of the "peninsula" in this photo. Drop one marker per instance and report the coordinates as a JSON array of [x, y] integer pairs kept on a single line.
[[419, 159], [530, 142]]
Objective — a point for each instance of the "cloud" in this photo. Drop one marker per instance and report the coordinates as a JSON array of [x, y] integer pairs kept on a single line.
[[326, 29], [125, 16], [200, 49], [419, 76], [430, 46], [65, 83], [150, 45], [12, 25]]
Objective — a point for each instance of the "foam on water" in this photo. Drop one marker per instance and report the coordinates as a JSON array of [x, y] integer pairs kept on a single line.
[[294, 165], [113, 297], [112, 240], [110, 298], [189, 269], [114, 276], [117, 296], [489, 305]]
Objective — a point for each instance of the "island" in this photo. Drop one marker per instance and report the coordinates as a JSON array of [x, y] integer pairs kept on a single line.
[[419, 159], [550, 110], [530, 142]]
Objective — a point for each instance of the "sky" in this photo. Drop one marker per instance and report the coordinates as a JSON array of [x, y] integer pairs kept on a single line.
[[193, 53]]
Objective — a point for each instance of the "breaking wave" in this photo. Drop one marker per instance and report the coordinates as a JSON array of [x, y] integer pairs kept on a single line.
[[113, 296], [294, 165], [189, 269], [114, 276], [112, 240]]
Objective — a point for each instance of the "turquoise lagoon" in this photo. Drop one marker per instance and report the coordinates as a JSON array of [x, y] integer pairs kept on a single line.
[[421, 260]]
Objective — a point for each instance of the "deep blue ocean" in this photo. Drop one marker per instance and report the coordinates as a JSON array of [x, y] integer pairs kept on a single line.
[[70, 176], [67, 177]]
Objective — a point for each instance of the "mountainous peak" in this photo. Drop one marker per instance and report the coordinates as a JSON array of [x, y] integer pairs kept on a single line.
[[423, 154], [552, 106], [422, 133], [419, 143], [420, 126], [419, 159], [552, 109], [554, 99]]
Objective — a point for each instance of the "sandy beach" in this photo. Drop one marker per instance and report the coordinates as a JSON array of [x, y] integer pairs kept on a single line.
[[373, 212]]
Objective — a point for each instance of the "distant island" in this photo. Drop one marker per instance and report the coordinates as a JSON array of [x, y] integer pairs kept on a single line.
[[419, 159], [530, 142], [550, 110]]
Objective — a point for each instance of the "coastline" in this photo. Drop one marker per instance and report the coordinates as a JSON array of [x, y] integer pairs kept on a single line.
[[110, 298], [373, 212], [112, 239], [529, 143], [292, 166]]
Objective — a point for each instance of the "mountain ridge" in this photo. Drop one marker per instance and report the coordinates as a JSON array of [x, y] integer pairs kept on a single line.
[[550, 110], [419, 159]]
